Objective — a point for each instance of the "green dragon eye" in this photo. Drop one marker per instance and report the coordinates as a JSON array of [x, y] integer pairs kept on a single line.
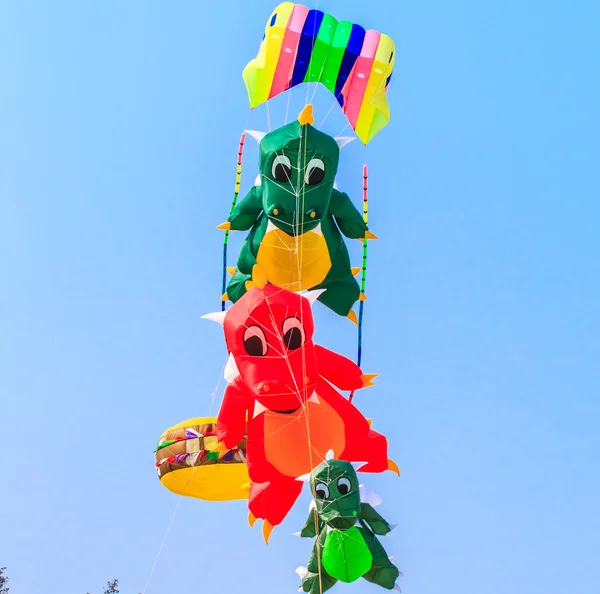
[[321, 490], [315, 172], [344, 485], [282, 168]]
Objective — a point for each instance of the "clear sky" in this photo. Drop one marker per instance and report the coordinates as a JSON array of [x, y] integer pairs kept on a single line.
[[119, 124]]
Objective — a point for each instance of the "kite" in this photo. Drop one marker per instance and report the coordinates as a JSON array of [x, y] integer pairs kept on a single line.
[[303, 46], [187, 466], [282, 389], [347, 547], [297, 219]]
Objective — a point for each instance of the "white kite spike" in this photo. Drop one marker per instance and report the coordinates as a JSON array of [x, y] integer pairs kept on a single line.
[[305, 478], [358, 465], [369, 496], [258, 409], [314, 398], [258, 180], [231, 369], [329, 455], [301, 572], [312, 296], [258, 136], [342, 141], [335, 186], [217, 316]]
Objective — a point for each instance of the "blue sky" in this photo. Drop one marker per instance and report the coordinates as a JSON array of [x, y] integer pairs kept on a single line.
[[119, 124]]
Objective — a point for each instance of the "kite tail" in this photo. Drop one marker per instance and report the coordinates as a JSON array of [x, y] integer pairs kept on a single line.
[[238, 178], [363, 279]]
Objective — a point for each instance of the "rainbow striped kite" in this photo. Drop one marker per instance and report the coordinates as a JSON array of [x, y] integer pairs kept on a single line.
[[302, 46]]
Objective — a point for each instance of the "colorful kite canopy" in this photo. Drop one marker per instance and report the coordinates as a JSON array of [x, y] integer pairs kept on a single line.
[[187, 466], [302, 46]]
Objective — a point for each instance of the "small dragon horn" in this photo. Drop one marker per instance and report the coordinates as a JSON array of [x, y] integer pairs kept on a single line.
[[312, 296], [258, 136], [342, 141], [306, 115], [217, 316]]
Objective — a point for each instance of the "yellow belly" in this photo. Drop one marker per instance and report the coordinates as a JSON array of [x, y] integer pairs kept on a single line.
[[296, 443], [294, 263]]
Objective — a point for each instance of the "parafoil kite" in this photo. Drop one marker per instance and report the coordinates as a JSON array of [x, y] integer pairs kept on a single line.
[[302, 46], [283, 385], [347, 547]]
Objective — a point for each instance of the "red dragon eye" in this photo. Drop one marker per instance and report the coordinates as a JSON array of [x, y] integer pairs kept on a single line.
[[255, 341], [293, 333]]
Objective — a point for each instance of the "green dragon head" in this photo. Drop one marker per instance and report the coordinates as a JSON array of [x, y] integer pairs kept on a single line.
[[335, 487], [297, 164]]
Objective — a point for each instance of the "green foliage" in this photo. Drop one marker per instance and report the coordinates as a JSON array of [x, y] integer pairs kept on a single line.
[[4, 589], [112, 587]]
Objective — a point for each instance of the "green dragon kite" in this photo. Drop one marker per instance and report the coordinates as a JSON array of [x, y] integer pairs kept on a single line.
[[296, 219], [343, 551]]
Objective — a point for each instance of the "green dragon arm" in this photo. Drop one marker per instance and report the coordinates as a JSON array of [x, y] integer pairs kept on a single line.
[[314, 561], [246, 259], [349, 220], [247, 210], [317, 580], [309, 530], [375, 521]]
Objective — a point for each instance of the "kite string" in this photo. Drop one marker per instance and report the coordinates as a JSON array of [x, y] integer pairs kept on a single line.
[[164, 540], [314, 37], [363, 279], [287, 109], [214, 392], [343, 129], [299, 259], [328, 112], [162, 544]]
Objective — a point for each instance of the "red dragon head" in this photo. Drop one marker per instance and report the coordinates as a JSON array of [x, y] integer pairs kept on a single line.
[[269, 335]]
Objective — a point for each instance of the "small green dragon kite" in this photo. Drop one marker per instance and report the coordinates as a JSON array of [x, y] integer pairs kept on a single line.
[[346, 547]]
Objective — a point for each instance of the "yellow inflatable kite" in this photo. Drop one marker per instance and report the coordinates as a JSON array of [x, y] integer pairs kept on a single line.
[[186, 465]]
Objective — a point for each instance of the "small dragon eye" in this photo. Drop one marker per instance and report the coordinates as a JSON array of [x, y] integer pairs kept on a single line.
[[322, 491], [344, 485]]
